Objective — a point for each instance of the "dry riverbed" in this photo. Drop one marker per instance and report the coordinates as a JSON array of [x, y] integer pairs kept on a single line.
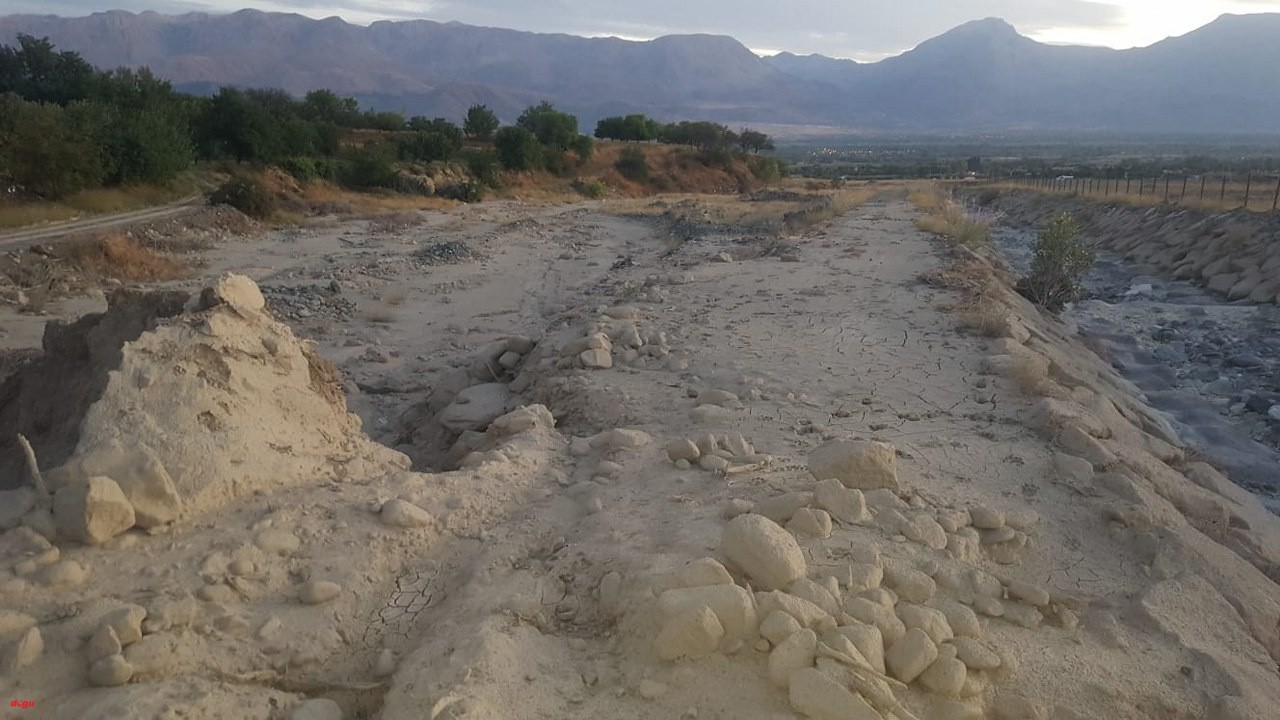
[[610, 465]]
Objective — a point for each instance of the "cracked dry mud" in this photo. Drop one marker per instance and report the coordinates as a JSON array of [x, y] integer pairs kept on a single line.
[[615, 507]]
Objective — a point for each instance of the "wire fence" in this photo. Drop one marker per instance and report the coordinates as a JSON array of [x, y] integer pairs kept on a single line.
[[1257, 192]]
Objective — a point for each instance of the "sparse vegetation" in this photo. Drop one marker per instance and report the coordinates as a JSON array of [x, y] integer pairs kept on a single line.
[[633, 164], [592, 188], [950, 218], [481, 123], [1061, 261]]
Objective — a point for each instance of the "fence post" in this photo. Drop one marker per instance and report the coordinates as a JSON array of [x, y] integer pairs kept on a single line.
[[1203, 179], [1183, 196], [1222, 196], [1142, 185], [1248, 186], [1166, 188], [1275, 201], [1127, 180]]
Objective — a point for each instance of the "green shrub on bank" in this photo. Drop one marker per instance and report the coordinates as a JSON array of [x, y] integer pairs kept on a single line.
[[245, 194], [1061, 261]]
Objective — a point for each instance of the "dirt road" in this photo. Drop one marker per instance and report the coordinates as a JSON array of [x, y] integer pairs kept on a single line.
[[21, 238]]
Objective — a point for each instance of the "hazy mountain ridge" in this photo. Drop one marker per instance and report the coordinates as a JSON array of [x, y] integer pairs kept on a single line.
[[980, 76]]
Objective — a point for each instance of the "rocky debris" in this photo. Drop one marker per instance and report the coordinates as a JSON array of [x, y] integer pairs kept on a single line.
[[476, 407], [318, 592], [911, 585], [781, 508], [976, 654], [911, 656], [985, 518], [768, 554], [929, 620], [126, 623], [404, 514], [103, 643], [308, 302], [859, 465], [778, 626], [946, 675], [450, 252], [689, 635], [317, 709], [92, 511], [683, 449], [698, 573], [140, 474]]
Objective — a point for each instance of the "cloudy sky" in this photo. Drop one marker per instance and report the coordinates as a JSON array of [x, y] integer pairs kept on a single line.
[[860, 29]]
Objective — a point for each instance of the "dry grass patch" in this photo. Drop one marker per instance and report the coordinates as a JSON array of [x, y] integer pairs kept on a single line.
[[123, 258]]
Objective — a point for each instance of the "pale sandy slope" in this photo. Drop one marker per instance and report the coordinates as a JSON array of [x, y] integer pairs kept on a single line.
[[532, 592]]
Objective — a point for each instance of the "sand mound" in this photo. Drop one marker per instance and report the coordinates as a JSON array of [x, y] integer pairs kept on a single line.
[[224, 399]]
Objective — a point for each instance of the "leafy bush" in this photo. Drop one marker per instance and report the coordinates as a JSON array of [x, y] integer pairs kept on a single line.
[[1061, 261], [633, 164], [467, 191], [368, 168], [766, 169], [518, 149], [584, 147], [594, 189], [245, 194], [552, 127], [484, 166]]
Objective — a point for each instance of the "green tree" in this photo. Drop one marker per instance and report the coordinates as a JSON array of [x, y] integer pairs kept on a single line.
[[518, 149], [41, 151], [754, 141], [324, 106], [34, 70], [550, 126], [481, 123], [232, 125]]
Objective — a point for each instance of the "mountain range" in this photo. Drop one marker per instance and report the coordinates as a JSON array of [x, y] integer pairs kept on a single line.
[[980, 77]]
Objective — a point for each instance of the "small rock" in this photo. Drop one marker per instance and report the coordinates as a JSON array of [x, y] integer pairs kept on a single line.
[[689, 635], [126, 622], [931, 621], [975, 654], [778, 626], [683, 449], [476, 407], [237, 291], [911, 656], [713, 463], [883, 618], [1024, 615], [317, 709], [404, 514], [64, 575], [868, 640], [819, 697], [735, 507], [104, 643], [794, 653], [316, 592], [985, 518], [683, 464], [845, 504], [768, 554], [911, 585], [698, 573], [707, 414], [277, 542], [946, 675], [1023, 519], [92, 511], [14, 625], [857, 464], [806, 613], [781, 508], [723, 398], [25, 651], [806, 589], [596, 359], [814, 523], [1032, 594], [110, 671], [963, 621], [1014, 707], [732, 605]]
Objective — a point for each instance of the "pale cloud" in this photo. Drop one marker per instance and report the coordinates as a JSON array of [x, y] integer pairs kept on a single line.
[[862, 29]]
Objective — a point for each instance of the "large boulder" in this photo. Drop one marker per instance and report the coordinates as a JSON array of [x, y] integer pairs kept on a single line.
[[92, 511], [858, 464], [476, 407]]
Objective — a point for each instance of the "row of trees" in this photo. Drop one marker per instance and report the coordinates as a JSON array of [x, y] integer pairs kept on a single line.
[[65, 126], [700, 134]]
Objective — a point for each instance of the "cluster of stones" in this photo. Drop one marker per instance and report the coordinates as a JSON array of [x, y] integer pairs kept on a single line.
[[843, 641], [489, 396], [724, 453], [617, 336], [301, 302]]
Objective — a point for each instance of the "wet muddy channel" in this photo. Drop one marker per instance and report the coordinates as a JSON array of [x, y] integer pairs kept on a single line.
[[1211, 366]]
